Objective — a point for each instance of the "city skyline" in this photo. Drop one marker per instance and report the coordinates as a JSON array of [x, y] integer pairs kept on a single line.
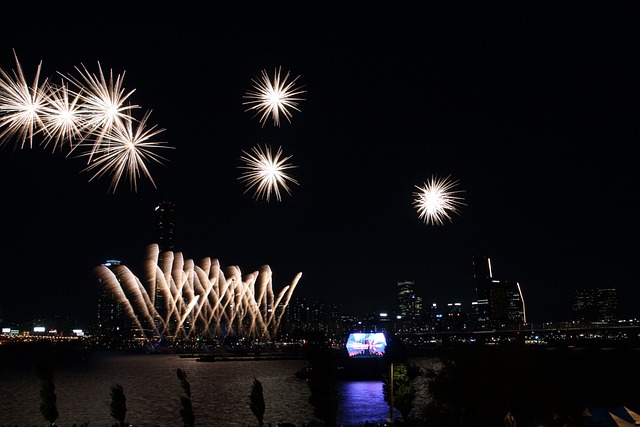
[[528, 110]]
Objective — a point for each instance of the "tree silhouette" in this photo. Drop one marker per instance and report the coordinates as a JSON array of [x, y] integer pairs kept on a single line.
[[188, 418], [404, 393], [118, 406], [322, 384], [256, 401], [511, 381], [48, 407]]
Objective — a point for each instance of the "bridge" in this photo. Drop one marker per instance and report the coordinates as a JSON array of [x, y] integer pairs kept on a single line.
[[546, 335]]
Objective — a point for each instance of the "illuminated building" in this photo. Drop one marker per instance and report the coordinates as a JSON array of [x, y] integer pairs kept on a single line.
[[499, 303], [595, 305], [165, 225], [482, 275], [409, 305], [111, 319], [164, 235], [506, 304], [409, 312]]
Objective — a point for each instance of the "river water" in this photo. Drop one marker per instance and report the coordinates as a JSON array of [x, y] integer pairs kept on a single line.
[[219, 392]]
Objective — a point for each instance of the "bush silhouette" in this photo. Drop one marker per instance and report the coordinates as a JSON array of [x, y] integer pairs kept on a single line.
[[256, 401], [48, 407], [188, 418], [118, 406]]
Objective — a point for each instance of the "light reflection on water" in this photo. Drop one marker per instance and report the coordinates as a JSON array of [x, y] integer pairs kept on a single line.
[[219, 392], [361, 401]]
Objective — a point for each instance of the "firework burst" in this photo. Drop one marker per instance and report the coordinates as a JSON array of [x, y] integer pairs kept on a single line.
[[21, 105], [127, 152], [273, 98], [89, 112], [266, 172], [64, 120], [103, 104], [436, 199]]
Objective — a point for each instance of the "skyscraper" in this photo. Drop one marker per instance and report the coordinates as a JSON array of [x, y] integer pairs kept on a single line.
[[498, 301], [165, 225], [595, 305], [506, 303], [482, 275], [164, 235], [111, 318], [409, 304]]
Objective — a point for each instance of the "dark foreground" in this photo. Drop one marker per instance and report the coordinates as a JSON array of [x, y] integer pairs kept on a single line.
[[481, 385]]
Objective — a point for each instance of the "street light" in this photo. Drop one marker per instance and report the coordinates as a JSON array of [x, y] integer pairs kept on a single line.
[[390, 418]]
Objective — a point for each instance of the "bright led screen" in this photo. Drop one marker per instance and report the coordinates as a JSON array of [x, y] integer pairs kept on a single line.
[[366, 344]]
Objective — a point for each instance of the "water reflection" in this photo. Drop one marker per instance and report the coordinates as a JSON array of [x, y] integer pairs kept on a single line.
[[361, 401], [219, 391]]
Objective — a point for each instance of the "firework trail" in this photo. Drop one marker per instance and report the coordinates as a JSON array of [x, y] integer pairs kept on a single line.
[[199, 299]]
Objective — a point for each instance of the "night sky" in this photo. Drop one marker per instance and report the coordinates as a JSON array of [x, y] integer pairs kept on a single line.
[[533, 109]]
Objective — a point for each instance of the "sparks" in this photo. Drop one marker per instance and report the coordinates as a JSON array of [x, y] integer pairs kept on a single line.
[[436, 199], [265, 172], [220, 302], [127, 152], [21, 105], [63, 121], [103, 103], [84, 111], [273, 98]]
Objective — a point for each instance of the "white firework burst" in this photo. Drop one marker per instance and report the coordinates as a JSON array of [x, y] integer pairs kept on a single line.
[[103, 104], [127, 152], [266, 172], [84, 111], [436, 199], [273, 98], [21, 105], [64, 120]]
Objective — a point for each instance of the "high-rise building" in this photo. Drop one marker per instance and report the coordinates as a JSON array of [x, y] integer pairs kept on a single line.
[[111, 319], [164, 235], [450, 316], [482, 275], [165, 225], [409, 311], [595, 305], [506, 303], [409, 305], [499, 302]]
